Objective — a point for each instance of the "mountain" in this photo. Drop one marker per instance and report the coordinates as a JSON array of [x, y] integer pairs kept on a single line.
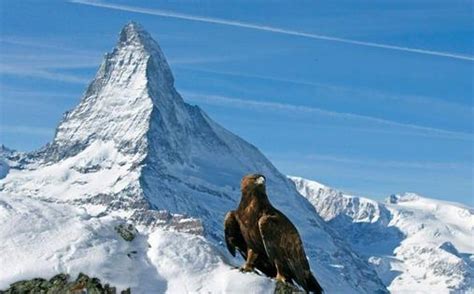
[[415, 244], [134, 154]]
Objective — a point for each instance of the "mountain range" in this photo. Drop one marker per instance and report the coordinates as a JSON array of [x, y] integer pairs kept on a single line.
[[415, 244], [134, 154]]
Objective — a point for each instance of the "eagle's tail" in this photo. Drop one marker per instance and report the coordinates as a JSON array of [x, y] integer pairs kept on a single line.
[[312, 284]]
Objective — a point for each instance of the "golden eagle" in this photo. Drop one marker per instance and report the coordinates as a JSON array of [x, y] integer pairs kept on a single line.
[[266, 238]]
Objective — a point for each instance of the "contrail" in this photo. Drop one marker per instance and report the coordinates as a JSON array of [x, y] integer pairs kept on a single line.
[[227, 22]]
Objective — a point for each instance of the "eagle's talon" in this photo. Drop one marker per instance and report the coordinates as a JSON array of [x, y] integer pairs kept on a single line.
[[280, 280], [246, 269]]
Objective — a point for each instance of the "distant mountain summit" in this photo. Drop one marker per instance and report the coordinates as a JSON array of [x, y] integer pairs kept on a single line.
[[134, 152]]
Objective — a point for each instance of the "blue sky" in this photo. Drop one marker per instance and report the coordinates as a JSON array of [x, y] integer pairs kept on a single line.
[[371, 97]]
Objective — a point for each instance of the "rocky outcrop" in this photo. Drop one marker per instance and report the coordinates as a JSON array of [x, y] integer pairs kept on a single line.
[[60, 284]]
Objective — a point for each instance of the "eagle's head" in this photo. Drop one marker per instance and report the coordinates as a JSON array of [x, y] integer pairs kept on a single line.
[[253, 182]]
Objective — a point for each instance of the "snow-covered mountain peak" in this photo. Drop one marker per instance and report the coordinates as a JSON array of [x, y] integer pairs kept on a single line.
[[134, 37], [133, 32], [133, 148], [117, 106]]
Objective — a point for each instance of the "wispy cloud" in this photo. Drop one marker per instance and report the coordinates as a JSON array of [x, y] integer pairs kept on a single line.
[[37, 43], [44, 64], [201, 60], [8, 92], [257, 76], [42, 74], [247, 25], [386, 163], [331, 92], [51, 60], [264, 105], [29, 130], [38, 100]]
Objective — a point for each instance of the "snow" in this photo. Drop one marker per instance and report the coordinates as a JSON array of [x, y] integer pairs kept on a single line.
[[97, 169], [416, 244], [190, 265], [63, 238], [133, 151]]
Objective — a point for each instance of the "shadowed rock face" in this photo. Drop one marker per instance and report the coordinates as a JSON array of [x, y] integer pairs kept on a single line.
[[61, 284]]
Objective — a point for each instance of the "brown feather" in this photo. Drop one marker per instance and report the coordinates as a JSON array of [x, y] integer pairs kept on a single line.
[[233, 237]]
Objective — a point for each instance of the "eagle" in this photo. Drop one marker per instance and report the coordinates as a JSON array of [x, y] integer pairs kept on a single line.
[[266, 238]]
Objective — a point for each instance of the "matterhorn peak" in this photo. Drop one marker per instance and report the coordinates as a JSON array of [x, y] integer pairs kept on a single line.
[[133, 32], [117, 106], [134, 38]]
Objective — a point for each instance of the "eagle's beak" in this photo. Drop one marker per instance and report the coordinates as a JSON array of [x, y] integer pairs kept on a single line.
[[260, 180]]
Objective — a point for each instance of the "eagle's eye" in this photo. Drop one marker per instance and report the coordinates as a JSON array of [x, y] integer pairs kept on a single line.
[[260, 180]]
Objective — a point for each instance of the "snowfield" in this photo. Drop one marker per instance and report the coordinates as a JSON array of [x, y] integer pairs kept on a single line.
[[41, 239]]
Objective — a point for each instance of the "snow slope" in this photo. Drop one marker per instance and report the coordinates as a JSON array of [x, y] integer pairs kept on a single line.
[[51, 237], [416, 244], [133, 151]]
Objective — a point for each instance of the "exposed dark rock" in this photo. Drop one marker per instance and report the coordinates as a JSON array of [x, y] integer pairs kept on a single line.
[[285, 288], [59, 284], [167, 220], [126, 231]]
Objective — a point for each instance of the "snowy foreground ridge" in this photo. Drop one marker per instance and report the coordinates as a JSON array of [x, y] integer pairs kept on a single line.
[[134, 153]]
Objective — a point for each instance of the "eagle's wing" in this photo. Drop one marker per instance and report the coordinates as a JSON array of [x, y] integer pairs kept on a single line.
[[284, 246], [279, 240], [233, 236]]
